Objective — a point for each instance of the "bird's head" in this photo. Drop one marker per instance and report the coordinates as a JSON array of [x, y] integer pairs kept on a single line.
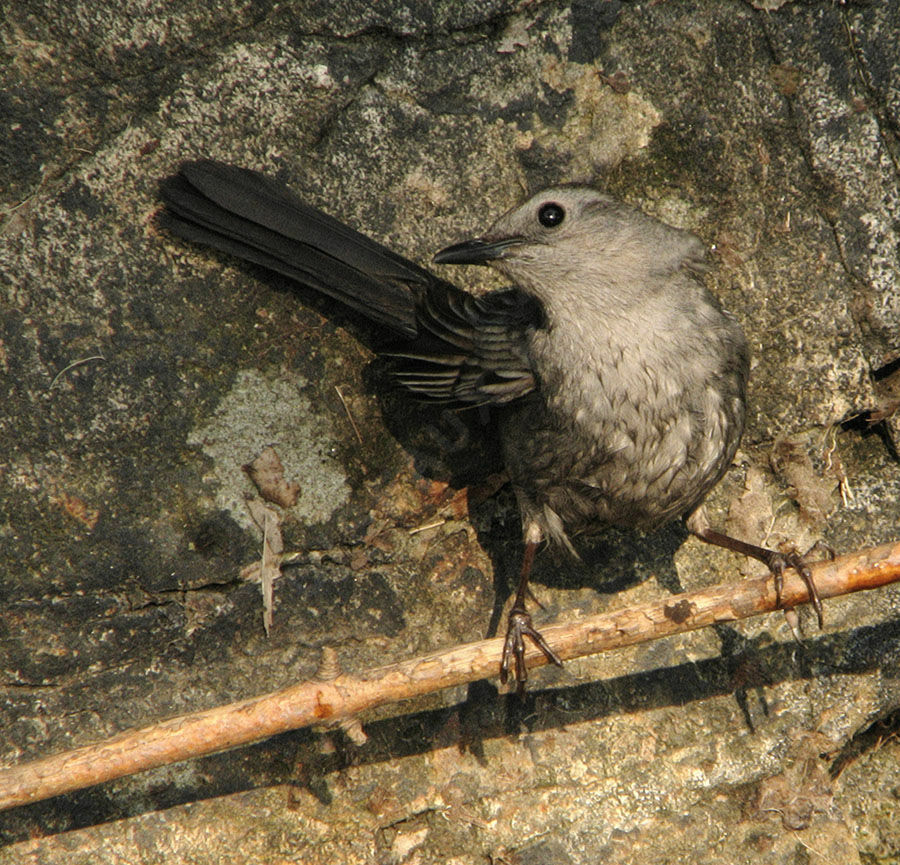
[[571, 236]]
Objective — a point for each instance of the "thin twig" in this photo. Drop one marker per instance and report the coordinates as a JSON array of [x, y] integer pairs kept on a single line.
[[349, 415], [434, 524], [73, 365], [335, 700]]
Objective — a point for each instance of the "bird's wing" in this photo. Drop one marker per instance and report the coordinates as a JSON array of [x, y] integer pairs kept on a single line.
[[469, 350]]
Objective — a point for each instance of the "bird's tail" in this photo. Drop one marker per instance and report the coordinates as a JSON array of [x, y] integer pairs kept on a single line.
[[258, 219]]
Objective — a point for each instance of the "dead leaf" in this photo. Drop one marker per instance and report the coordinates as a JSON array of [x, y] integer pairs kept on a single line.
[[267, 474], [268, 568], [750, 516], [804, 788], [812, 493]]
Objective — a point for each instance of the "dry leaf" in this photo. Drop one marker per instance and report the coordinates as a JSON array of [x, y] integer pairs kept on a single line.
[[267, 474], [790, 460], [268, 568]]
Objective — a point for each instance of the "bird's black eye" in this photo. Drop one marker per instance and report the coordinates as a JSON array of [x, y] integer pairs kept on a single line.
[[551, 214]]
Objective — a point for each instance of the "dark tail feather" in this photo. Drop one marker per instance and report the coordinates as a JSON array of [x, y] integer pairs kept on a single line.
[[459, 349], [258, 219]]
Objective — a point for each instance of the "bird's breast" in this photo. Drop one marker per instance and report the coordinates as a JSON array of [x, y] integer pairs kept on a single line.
[[629, 431]]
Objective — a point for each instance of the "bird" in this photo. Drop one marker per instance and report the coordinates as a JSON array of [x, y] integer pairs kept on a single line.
[[619, 382]]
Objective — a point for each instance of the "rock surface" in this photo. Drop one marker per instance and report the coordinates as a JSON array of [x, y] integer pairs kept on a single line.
[[137, 377]]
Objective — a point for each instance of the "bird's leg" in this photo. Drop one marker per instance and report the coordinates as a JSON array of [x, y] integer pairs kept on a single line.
[[519, 626], [775, 561]]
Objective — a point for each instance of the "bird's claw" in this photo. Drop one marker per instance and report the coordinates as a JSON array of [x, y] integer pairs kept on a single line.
[[518, 627], [778, 562]]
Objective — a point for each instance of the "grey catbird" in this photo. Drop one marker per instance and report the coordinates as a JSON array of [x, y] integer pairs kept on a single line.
[[621, 381]]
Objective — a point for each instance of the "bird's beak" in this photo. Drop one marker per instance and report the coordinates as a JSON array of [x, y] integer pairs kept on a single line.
[[479, 250]]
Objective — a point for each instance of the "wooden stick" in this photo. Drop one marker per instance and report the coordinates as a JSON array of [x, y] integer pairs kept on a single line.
[[342, 697]]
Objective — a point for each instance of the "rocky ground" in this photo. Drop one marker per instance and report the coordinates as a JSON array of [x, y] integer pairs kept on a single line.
[[139, 375]]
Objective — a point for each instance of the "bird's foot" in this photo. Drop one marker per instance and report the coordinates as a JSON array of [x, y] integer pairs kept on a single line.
[[777, 562], [519, 626]]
